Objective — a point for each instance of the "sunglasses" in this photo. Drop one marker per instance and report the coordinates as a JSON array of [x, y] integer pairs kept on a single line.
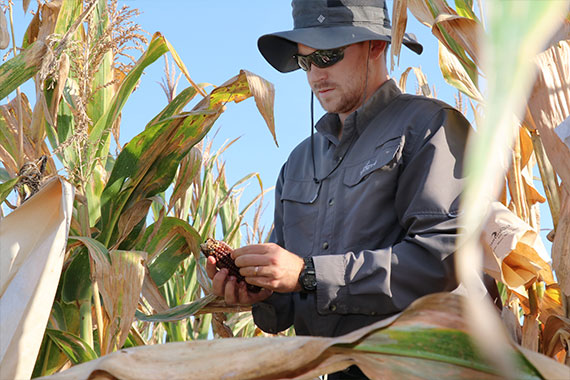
[[320, 58]]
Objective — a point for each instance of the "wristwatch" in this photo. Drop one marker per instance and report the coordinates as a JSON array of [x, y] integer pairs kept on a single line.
[[308, 277]]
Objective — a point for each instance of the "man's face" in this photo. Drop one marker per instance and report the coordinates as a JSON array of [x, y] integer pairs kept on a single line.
[[340, 87]]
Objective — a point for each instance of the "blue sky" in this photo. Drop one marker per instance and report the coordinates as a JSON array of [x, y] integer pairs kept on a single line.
[[216, 39]]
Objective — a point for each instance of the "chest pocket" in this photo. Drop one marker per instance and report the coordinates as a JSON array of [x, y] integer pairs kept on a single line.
[[384, 159], [299, 199]]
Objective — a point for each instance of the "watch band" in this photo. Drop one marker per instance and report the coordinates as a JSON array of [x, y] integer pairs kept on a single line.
[[308, 276]]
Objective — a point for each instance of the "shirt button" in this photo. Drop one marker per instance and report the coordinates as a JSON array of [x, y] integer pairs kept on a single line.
[[325, 245], [332, 307], [331, 201]]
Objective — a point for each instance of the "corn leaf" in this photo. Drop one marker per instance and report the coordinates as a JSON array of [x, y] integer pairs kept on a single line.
[[465, 31], [120, 285], [399, 21], [4, 35], [172, 242], [30, 269], [102, 92], [50, 359], [509, 79], [99, 136], [76, 283], [454, 74], [148, 164], [7, 187], [22, 67], [429, 340], [177, 313], [561, 245], [464, 8], [75, 348]]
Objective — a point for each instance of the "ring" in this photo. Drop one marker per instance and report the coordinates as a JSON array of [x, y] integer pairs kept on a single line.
[[256, 270]]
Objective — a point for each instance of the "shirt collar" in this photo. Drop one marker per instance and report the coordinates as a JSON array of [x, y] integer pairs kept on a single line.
[[329, 124]]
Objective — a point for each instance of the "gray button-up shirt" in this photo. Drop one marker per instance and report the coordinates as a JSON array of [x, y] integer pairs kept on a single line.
[[380, 221]]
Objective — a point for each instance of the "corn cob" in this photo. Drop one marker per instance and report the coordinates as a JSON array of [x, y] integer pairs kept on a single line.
[[222, 253]]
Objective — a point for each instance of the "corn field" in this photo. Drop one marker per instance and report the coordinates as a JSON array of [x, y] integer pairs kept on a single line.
[[113, 284]]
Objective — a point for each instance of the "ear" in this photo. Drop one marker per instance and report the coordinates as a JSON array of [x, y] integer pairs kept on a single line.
[[377, 48]]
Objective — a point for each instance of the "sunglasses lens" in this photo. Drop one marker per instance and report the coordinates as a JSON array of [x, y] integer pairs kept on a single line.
[[326, 58], [304, 62], [320, 58]]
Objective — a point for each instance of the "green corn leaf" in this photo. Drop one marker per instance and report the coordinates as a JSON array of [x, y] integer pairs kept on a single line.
[[4, 176], [7, 187], [21, 68], [96, 250], [102, 92], [69, 12], [174, 241], [50, 358], [99, 135], [9, 147], [76, 282], [148, 163], [177, 313], [465, 8], [76, 349]]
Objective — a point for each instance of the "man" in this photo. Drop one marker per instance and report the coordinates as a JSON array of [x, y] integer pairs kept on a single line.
[[366, 209]]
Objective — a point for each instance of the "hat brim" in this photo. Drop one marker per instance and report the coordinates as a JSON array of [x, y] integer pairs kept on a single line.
[[279, 48]]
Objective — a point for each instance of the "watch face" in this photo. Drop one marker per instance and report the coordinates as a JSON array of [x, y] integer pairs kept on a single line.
[[309, 282]]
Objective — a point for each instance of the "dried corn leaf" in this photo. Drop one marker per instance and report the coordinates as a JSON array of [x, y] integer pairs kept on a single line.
[[399, 20], [465, 31], [119, 275], [263, 93], [561, 244], [4, 35], [120, 285], [556, 337], [509, 76], [30, 266], [427, 10], [430, 339], [404, 79], [153, 296], [454, 73], [515, 254], [130, 218], [549, 105], [187, 172]]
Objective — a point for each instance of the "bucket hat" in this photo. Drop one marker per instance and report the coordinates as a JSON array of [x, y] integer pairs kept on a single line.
[[329, 24]]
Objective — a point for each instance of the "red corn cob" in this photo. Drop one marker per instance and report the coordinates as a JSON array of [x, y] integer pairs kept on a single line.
[[222, 253]]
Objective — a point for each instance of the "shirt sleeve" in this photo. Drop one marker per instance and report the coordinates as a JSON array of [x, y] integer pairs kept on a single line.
[[385, 281], [276, 313]]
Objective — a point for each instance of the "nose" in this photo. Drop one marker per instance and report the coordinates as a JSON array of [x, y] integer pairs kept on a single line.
[[316, 74]]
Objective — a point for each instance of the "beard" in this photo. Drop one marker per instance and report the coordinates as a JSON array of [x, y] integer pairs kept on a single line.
[[347, 97]]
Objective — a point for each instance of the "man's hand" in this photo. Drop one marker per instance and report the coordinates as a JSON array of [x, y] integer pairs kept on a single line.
[[269, 266], [234, 293]]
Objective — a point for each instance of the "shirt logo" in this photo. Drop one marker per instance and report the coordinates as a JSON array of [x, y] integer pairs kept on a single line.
[[369, 165], [321, 18]]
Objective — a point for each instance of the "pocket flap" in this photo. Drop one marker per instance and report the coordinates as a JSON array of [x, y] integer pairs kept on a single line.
[[304, 191], [382, 156]]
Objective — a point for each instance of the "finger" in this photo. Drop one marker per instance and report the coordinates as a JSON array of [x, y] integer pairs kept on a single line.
[[230, 291], [252, 249], [251, 271], [252, 261], [211, 269], [219, 282]]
